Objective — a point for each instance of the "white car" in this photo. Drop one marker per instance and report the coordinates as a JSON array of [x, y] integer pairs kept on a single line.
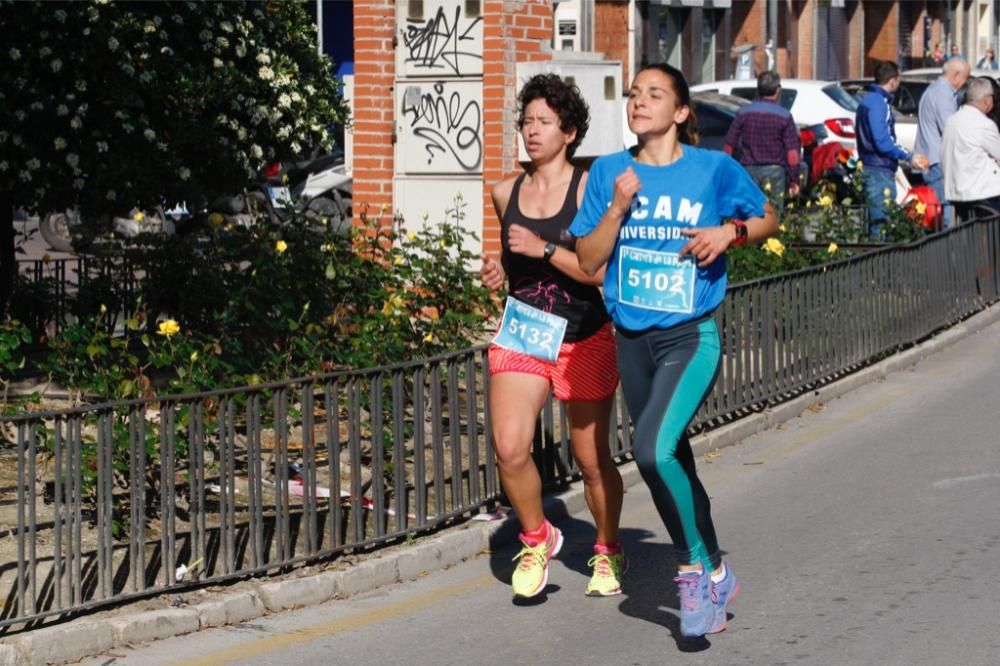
[[931, 73], [811, 103]]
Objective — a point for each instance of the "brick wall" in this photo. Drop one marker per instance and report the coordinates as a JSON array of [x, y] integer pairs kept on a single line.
[[374, 68], [881, 33], [611, 36], [514, 31], [804, 60]]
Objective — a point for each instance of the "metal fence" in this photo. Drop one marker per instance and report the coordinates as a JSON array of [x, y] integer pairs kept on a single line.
[[117, 501]]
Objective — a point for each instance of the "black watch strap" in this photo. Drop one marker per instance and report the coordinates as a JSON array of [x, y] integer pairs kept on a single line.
[[550, 249]]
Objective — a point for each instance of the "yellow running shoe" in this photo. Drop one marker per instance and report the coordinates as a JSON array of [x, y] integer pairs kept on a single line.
[[532, 572], [608, 572]]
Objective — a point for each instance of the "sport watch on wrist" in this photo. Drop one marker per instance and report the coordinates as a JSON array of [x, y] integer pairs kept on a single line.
[[550, 249], [741, 232]]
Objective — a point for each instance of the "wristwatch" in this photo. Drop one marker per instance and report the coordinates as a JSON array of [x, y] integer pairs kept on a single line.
[[741, 232], [550, 249]]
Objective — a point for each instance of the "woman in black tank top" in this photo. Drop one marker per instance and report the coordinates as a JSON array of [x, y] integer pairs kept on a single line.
[[544, 280]]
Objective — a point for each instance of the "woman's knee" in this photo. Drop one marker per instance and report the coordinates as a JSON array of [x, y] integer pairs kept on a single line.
[[597, 470], [511, 450]]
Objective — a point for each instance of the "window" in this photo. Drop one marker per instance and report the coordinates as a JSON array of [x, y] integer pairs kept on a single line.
[[841, 97], [711, 121]]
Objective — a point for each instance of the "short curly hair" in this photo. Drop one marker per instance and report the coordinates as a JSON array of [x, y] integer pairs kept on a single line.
[[563, 98]]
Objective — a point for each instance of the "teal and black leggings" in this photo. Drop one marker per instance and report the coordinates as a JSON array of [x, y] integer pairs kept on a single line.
[[666, 375]]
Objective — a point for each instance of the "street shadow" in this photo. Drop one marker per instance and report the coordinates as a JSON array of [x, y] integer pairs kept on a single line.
[[649, 593]]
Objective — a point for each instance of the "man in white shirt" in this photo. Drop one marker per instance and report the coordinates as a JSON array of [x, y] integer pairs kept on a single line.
[[970, 151]]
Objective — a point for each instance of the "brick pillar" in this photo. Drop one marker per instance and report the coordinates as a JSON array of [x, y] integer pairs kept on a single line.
[[374, 69], [514, 31]]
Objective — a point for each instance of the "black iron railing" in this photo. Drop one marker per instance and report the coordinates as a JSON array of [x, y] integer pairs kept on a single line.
[[121, 500]]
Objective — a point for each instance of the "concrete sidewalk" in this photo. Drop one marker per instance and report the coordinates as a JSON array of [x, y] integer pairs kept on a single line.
[[137, 623]]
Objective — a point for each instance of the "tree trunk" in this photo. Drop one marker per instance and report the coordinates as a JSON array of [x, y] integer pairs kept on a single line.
[[8, 262]]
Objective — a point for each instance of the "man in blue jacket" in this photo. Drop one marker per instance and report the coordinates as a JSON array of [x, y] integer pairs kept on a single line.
[[877, 149]]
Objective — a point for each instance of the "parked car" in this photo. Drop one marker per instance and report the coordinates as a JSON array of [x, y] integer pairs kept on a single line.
[[811, 102], [907, 99], [931, 73], [714, 113]]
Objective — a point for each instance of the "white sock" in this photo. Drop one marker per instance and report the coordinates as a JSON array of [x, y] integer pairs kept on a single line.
[[717, 578]]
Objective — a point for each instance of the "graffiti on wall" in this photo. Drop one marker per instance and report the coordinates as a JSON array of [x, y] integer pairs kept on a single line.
[[442, 125], [447, 44]]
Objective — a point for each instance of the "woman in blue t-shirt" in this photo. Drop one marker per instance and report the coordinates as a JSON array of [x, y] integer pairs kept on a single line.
[[656, 216]]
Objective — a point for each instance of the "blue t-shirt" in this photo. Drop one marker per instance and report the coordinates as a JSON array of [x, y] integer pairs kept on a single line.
[[647, 285]]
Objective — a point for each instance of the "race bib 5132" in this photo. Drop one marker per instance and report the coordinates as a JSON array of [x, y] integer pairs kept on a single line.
[[530, 331]]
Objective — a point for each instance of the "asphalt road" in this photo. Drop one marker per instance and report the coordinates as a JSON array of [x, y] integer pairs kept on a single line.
[[867, 531]]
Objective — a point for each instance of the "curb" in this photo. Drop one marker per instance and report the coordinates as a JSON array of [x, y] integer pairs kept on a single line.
[[73, 641]]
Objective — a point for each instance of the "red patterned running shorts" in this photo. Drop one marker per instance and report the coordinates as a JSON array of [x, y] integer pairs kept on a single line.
[[585, 370]]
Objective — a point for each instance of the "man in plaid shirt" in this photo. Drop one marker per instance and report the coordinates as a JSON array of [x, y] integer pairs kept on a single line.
[[764, 138]]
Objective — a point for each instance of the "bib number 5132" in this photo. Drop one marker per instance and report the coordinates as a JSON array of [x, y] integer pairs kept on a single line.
[[531, 331]]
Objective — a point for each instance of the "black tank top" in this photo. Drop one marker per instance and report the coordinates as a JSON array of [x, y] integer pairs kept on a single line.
[[542, 285]]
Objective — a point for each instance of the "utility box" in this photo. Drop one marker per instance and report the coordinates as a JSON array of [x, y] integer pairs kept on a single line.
[[600, 82]]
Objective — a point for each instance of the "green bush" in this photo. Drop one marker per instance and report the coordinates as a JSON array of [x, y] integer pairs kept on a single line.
[[267, 303], [817, 229]]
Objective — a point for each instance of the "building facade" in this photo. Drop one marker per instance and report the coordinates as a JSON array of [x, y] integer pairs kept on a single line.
[[433, 83]]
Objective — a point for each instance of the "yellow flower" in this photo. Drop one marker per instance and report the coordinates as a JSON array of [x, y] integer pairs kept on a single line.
[[767, 186], [139, 216], [825, 201], [860, 165], [782, 227], [393, 305], [429, 337], [280, 246], [774, 246], [411, 235], [398, 261], [832, 248], [104, 308], [169, 327], [194, 356], [921, 207], [887, 193]]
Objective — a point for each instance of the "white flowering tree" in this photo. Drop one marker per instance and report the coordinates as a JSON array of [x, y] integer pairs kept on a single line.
[[109, 105]]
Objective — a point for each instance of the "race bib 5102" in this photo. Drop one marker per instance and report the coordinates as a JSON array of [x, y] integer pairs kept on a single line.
[[653, 280]]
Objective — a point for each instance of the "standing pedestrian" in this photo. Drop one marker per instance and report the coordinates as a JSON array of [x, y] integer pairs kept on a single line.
[[876, 143], [970, 150], [766, 141], [555, 336], [656, 215], [938, 102], [988, 61], [937, 55]]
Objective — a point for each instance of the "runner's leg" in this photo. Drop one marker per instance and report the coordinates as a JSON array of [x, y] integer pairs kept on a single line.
[[515, 402], [590, 423]]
